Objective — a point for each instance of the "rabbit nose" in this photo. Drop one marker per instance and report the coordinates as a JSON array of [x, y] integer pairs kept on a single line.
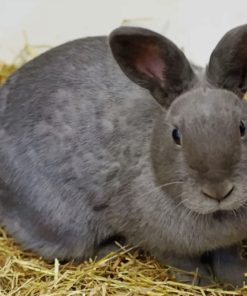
[[218, 191]]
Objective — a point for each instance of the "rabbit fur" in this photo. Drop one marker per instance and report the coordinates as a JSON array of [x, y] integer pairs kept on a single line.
[[87, 154]]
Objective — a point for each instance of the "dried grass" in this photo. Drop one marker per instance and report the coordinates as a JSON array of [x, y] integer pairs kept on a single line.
[[122, 273], [5, 71]]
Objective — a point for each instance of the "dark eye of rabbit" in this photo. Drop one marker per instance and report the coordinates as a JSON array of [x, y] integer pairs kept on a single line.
[[176, 136], [242, 128]]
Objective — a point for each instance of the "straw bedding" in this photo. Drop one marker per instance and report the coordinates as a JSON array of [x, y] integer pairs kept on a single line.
[[122, 273]]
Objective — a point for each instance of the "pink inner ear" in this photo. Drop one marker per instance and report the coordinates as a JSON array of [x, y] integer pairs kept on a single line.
[[151, 64]]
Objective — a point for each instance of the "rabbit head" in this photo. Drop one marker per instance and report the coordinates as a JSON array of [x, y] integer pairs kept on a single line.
[[199, 138]]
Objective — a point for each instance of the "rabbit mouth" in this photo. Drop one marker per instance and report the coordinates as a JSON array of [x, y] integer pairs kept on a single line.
[[219, 215], [206, 206]]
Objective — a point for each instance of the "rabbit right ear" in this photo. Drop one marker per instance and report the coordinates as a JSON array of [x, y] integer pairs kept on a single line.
[[228, 62], [153, 62]]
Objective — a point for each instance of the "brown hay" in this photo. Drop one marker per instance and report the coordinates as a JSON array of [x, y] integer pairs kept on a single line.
[[5, 71], [122, 273]]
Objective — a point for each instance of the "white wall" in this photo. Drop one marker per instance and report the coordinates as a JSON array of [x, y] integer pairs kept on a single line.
[[195, 25]]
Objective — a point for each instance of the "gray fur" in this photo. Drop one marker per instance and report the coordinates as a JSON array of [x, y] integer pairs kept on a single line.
[[87, 155]]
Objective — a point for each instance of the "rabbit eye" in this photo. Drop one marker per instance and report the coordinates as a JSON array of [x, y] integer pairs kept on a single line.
[[176, 136], [242, 128]]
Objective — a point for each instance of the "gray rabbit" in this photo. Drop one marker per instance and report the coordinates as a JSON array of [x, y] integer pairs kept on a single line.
[[121, 138]]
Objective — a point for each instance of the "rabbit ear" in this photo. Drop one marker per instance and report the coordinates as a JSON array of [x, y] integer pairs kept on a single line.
[[152, 61], [228, 62]]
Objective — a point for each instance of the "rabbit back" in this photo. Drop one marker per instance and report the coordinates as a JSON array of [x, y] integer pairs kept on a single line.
[[73, 127]]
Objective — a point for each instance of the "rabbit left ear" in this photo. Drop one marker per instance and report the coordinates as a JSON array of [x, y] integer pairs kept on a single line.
[[228, 62]]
